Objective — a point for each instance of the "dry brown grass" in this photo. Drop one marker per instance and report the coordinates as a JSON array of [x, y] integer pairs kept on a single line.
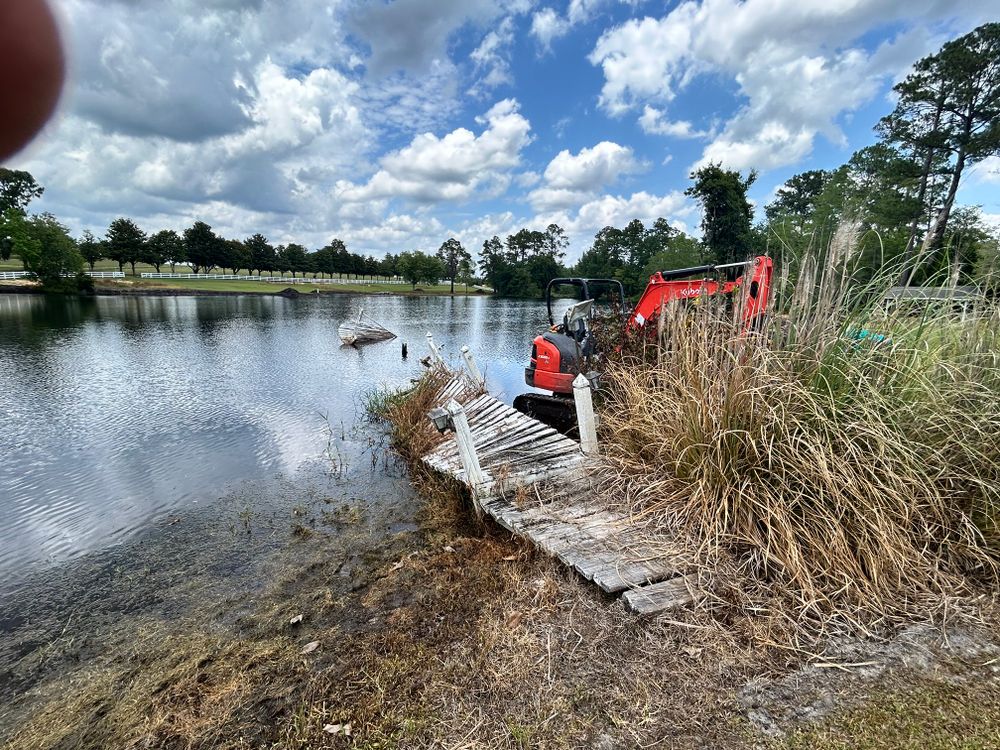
[[860, 479]]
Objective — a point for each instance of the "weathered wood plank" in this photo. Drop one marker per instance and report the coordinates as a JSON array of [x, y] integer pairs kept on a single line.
[[664, 596], [560, 515]]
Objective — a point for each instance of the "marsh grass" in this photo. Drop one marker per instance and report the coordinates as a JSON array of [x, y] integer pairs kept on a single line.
[[845, 456]]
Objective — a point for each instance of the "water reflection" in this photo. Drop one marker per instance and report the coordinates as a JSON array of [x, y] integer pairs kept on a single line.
[[115, 411]]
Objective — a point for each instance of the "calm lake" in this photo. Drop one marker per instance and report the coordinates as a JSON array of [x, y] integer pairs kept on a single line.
[[120, 415]]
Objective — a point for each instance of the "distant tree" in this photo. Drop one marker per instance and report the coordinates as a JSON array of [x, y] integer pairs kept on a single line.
[[682, 251], [46, 249], [726, 212], [466, 271], [261, 254], [419, 268], [234, 256], [202, 247], [6, 241], [293, 258], [451, 254], [124, 243], [163, 247], [160, 248], [388, 265], [797, 197], [629, 254], [606, 257], [17, 190], [91, 249], [950, 103]]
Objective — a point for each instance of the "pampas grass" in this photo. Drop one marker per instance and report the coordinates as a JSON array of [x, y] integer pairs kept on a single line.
[[847, 454]]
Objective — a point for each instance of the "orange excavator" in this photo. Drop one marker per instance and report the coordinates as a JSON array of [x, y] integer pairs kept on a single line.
[[568, 348]]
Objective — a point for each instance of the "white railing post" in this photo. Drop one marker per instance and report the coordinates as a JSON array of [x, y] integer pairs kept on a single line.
[[470, 362], [466, 447], [585, 419], [435, 354]]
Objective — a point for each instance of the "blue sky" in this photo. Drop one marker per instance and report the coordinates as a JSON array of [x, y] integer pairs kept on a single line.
[[395, 125]]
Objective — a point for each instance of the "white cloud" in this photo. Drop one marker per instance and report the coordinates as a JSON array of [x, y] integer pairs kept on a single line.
[[492, 59], [454, 167], [992, 220], [654, 121], [987, 170], [793, 62], [547, 26], [572, 179]]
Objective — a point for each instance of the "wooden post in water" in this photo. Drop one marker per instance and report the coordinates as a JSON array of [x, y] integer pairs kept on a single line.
[[473, 367], [435, 354], [585, 419]]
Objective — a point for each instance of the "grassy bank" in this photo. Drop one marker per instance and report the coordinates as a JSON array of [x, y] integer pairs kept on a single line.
[[152, 286], [137, 285]]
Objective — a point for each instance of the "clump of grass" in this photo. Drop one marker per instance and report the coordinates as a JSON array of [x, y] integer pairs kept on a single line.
[[859, 473], [406, 411]]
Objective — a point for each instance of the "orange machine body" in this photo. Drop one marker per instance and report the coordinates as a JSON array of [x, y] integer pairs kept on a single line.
[[556, 355]]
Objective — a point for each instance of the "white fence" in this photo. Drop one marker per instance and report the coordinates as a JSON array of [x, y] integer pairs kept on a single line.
[[273, 279], [11, 275]]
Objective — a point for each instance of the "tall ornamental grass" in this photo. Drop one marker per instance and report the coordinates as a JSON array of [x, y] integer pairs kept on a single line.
[[847, 454]]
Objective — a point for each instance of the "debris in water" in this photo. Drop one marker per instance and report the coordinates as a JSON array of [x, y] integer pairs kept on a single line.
[[363, 330]]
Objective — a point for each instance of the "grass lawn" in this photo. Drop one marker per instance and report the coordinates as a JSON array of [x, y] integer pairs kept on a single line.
[[270, 287], [221, 285]]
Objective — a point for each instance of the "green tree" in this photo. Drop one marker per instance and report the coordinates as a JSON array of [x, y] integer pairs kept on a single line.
[[726, 212], [292, 258], [91, 249], [797, 197], [606, 258], [17, 190], [466, 271], [951, 103], [124, 243], [262, 254], [235, 256], [202, 247], [452, 254], [165, 246], [525, 263], [681, 251], [629, 254], [419, 268], [46, 249]]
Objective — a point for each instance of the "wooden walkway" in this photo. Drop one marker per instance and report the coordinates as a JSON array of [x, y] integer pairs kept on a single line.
[[540, 488]]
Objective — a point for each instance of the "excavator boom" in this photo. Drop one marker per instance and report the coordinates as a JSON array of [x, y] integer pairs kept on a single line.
[[667, 286]]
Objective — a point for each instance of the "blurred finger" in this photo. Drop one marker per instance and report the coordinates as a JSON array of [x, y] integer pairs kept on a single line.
[[32, 69]]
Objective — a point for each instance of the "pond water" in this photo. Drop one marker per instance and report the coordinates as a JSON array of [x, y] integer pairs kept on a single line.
[[118, 415]]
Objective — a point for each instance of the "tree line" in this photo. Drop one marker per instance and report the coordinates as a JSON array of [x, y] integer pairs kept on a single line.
[[204, 251]]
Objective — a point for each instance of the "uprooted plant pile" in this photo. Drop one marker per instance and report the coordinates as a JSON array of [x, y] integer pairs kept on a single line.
[[845, 454]]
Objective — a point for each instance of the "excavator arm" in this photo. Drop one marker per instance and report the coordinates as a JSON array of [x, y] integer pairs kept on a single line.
[[667, 286]]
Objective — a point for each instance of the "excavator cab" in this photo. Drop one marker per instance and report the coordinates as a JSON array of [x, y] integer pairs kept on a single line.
[[567, 349], [561, 353]]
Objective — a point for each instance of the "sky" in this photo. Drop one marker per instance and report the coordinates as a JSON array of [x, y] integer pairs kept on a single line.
[[396, 125]]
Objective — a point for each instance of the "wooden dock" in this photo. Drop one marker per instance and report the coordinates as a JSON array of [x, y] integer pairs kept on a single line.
[[539, 485]]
